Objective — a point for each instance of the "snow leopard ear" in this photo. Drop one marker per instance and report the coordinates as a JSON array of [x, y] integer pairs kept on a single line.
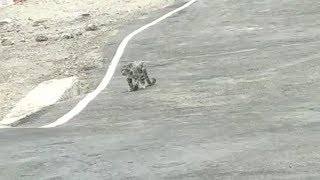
[[123, 69], [141, 62]]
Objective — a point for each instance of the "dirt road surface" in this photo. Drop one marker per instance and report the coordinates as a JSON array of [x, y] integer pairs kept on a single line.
[[236, 98]]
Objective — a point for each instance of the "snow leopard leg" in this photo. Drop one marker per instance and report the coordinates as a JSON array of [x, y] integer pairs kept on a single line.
[[132, 86], [146, 77]]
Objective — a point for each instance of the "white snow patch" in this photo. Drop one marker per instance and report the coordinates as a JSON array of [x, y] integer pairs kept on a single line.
[[45, 94]]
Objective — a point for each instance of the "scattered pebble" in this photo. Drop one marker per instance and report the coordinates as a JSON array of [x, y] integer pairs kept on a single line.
[[7, 42], [5, 21], [38, 23], [87, 68], [85, 14], [79, 33], [67, 36], [91, 27], [56, 38], [41, 38], [74, 57]]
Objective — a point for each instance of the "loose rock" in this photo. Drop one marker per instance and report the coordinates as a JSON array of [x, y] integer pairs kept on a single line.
[[38, 23], [5, 21], [41, 38], [85, 14], [79, 33], [7, 42], [67, 36], [91, 27]]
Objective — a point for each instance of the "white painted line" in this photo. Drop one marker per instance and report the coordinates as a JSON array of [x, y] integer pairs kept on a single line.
[[105, 81]]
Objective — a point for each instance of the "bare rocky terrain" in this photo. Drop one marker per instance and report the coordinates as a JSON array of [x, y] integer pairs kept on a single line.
[[43, 40]]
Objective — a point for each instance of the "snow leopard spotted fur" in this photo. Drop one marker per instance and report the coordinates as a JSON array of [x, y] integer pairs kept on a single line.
[[137, 76]]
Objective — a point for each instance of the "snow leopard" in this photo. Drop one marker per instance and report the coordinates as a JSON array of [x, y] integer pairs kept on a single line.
[[136, 74]]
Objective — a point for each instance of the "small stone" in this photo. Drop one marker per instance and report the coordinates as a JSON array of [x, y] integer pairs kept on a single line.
[[18, 1], [23, 40], [67, 36], [7, 42], [87, 68], [56, 38], [5, 21], [74, 57], [85, 14], [41, 38], [91, 27], [79, 33], [38, 23], [10, 30], [95, 47]]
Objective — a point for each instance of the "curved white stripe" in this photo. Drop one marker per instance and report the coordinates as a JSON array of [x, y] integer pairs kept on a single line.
[[112, 67]]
